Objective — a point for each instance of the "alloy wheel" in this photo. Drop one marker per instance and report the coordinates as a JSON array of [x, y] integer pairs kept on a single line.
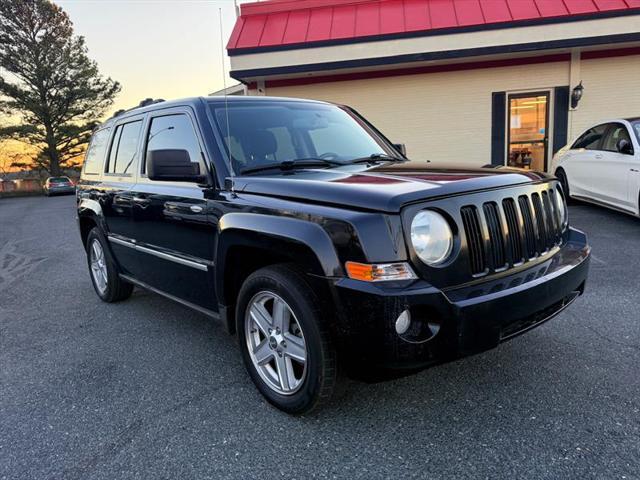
[[276, 343], [98, 266]]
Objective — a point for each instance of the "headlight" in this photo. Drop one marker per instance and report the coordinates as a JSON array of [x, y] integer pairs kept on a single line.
[[431, 237], [563, 214]]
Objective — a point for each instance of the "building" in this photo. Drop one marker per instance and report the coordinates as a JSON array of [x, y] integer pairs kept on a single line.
[[467, 82], [239, 89]]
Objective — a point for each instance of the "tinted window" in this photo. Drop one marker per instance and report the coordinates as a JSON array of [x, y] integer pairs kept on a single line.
[[95, 155], [124, 148], [174, 132], [59, 180], [617, 132], [590, 139]]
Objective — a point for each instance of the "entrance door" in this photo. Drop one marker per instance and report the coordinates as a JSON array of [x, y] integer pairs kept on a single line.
[[528, 130]]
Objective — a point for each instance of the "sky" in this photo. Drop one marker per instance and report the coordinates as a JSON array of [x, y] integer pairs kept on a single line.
[[156, 48]]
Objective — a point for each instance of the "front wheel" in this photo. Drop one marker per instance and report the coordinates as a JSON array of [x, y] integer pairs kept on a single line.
[[284, 341]]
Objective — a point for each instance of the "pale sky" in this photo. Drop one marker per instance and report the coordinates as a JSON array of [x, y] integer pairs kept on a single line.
[[156, 48]]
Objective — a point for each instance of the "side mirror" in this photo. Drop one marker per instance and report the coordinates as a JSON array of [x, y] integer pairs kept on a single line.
[[173, 165], [401, 147], [624, 146]]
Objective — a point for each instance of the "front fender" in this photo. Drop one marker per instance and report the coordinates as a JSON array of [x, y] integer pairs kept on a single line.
[[288, 229]]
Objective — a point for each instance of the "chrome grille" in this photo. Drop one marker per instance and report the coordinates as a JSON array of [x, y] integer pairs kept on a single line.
[[516, 230]]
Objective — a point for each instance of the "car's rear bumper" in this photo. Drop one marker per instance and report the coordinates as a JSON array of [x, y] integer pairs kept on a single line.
[[54, 190], [453, 323]]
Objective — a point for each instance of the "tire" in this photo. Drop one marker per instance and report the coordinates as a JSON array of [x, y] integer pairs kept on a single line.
[[311, 383], [112, 288]]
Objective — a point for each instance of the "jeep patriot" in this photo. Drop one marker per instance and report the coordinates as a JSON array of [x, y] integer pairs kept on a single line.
[[313, 239]]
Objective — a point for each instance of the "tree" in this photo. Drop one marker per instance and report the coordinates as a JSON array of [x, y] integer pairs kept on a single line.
[[51, 87]]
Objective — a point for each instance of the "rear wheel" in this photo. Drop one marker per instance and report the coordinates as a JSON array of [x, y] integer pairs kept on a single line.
[[284, 342], [104, 273]]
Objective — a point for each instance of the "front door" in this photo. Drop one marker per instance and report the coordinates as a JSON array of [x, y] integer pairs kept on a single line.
[[170, 219], [528, 130]]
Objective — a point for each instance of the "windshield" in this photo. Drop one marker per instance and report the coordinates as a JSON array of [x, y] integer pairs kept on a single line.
[[267, 133], [636, 128]]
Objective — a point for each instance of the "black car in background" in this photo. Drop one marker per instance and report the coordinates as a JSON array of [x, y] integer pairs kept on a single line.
[[313, 239]]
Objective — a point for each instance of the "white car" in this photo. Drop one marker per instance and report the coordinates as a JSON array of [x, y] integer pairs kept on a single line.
[[603, 165]]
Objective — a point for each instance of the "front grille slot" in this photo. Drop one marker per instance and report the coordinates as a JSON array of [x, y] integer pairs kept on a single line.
[[553, 232], [513, 226], [541, 236], [475, 242], [529, 230], [496, 238], [556, 217]]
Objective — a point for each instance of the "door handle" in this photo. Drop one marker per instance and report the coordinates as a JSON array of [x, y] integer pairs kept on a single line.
[[598, 156], [634, 170], [141, 201]]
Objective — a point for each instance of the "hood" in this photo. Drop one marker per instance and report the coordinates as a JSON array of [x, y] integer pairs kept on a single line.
[[385, 188]]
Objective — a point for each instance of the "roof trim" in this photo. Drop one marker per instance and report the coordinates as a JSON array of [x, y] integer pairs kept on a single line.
[[447, 67], [235, 51], [242, 75]]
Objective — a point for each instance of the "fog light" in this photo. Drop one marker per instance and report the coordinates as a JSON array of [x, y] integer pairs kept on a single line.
[[403, 322]]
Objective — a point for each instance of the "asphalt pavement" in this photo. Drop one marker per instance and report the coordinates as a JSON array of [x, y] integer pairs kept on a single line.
[[149, 389]]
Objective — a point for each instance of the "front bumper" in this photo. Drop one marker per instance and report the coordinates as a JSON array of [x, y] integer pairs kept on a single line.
[[451, 323]]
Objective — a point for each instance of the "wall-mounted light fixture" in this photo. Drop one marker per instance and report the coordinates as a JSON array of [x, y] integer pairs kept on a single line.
[[576, 95]]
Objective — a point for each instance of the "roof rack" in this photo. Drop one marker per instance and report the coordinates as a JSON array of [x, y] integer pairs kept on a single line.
[[143, 103]]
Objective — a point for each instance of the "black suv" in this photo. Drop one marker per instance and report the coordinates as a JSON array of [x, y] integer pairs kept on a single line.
[[310, 236]]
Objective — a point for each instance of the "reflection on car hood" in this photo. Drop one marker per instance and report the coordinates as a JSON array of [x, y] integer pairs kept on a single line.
[[385, 188]]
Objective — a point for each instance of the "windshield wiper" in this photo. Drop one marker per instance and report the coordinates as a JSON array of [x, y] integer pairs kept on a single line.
[[290, 164], [377, 157]]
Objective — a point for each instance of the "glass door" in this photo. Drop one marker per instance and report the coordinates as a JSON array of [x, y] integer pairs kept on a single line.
[[528, 130]]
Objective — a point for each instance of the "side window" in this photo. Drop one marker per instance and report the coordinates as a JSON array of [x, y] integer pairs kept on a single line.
[[590, 139], [617, 132], [95, 154], [124, 148], [174, 132]]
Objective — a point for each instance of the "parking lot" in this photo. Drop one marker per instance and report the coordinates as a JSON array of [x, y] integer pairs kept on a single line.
[[149, 389]]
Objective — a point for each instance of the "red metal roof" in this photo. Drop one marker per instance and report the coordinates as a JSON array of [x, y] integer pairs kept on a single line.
[[281, 23]]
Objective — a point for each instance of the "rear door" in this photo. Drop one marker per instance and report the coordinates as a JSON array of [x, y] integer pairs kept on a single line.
[[580, 160], [169, 219], [115, 192], [613, 171]]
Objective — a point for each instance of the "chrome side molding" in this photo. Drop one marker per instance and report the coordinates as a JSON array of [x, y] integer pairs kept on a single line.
[[165, 256]]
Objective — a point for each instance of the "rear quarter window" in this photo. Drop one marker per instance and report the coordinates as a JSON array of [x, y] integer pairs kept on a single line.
[[94, 159]]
